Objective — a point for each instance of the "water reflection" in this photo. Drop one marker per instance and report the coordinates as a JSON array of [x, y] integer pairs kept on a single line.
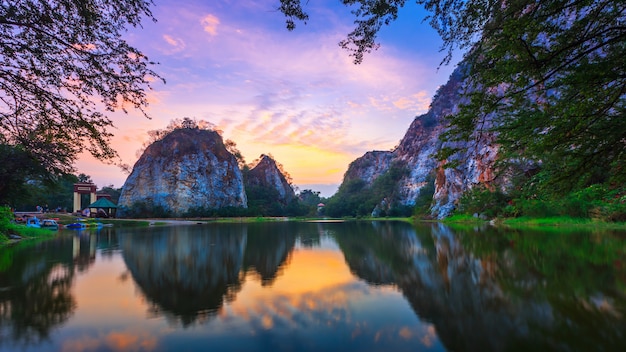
[[186, 274], [268, 250], [503, 297], [316, 286], [36, 288]]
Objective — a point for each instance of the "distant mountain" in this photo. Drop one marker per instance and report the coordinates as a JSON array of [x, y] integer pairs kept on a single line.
[[267, 174], [268, 191]]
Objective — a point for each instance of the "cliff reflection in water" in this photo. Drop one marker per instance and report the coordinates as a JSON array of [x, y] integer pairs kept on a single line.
[[318, 286], [187, 274], [501, 296], [268, 249]]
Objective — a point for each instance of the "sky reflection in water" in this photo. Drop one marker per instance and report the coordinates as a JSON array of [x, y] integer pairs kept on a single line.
[[306, 286]]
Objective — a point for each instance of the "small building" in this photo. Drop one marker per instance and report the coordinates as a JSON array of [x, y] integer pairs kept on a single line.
[[103, 208]]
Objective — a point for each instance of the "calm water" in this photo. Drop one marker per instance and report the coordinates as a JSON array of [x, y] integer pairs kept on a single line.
[[366, 286]]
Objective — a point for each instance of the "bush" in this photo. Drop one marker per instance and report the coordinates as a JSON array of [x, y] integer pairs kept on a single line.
[[6, 216], [481, 200], [142, 209], [596, 201], [425, 197]]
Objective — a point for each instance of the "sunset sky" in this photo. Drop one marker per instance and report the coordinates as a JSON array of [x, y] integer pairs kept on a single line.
[[296, 95]]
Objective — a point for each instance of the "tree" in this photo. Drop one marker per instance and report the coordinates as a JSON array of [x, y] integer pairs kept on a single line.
[[113, 192], [17, 167], [547, 78], [231, 146], [84, 178], [63, 66], [310, 200], [175, 124]]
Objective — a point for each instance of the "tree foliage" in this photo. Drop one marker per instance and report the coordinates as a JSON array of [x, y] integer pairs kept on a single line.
[[63, 66], [546, 77], [355, 198], [16, 168], [178, 123], [549, 79]]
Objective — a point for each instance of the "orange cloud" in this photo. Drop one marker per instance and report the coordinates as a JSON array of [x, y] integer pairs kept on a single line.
[[210, 23], [124, 341], [117, 341], [177, 43], [419, 102], [85, 343]]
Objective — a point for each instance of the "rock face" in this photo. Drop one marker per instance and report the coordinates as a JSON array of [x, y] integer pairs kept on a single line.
[[266, 174], [188, 168], [417, 149]]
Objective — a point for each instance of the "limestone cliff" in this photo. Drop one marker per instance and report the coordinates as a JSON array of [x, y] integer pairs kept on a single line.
[[266, 174], [416, 152], [188, 168]]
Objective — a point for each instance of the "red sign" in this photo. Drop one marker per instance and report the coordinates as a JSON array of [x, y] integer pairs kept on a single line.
[[83, 188]]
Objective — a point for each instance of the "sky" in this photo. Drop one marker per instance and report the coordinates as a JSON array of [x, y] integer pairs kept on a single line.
[[295, 95]]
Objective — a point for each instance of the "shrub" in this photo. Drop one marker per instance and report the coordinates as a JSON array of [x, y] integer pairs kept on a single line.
[[483, 201], [5, 220], [425, 197], [143, 209], [536, 208]]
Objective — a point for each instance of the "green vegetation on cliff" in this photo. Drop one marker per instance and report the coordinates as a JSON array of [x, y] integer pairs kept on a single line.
[[356, 198], [598, 202]]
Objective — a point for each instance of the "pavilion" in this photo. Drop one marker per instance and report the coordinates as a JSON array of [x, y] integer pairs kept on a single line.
[[104, 204]]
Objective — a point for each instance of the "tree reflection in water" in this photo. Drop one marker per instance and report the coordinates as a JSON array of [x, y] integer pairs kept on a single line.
[[36, 286], [501, 297], [470, 289]]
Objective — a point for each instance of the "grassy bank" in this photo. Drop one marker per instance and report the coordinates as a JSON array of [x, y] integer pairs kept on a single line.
[[561, 221], [526, 221], [26, 233], [463, 219]]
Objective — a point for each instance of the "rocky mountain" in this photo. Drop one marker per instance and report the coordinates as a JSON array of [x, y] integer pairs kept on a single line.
[[267, 175], [415, 154], [188, 168]]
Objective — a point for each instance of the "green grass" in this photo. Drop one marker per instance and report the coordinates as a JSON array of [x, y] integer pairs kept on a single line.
[[158, 223], [463, 218], [27, 233], [125, 223], [244, 219], [526, 221], [562, 221]]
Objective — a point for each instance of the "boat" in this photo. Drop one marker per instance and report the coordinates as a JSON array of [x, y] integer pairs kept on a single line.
[[33, 222], [83, 224], [76, 226], [49, 224]]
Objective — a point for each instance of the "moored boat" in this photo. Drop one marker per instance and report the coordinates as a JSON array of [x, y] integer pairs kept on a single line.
[[33, 222], [83, 224], [76, 225], [49, 224]]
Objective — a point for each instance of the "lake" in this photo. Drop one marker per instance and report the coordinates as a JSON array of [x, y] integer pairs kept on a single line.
[[315, 286]]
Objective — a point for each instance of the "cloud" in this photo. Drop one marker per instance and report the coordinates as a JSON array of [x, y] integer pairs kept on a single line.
[[176, 44], [418, 102], [270, 89], [114, 340], [210, 23]]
